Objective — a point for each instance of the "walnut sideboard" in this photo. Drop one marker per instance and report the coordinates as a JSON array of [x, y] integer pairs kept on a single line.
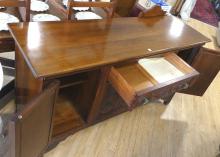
[[98, 65]]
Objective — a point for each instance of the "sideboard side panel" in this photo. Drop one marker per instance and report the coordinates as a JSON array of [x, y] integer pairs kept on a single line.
[[207, 63], [26, 85]]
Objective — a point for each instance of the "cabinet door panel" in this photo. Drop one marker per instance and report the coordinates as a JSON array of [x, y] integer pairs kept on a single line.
[[30, 130], [207, 63]]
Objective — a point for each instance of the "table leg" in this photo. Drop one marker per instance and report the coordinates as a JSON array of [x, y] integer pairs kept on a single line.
[[101, 89]]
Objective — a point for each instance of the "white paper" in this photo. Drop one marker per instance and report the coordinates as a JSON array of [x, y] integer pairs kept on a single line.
[[160, 69]]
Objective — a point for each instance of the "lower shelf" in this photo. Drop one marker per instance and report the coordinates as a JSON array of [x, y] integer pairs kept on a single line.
[[66, 117]]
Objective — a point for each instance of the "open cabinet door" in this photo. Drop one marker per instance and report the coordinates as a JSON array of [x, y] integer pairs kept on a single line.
[[30, 129], [207, 63]]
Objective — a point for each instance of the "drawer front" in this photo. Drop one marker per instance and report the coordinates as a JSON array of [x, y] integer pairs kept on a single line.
[[136, 81], [168, 90]]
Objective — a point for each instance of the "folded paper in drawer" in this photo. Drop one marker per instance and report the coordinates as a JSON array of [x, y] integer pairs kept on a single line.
[[160, 69]]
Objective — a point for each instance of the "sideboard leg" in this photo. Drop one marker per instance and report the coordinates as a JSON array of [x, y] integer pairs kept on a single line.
[[102, 84]]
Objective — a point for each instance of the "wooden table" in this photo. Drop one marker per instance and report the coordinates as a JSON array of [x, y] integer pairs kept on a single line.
[[90, 59]]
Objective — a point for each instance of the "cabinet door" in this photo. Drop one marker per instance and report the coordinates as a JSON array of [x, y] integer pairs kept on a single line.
[[30, 129], [207, 63]]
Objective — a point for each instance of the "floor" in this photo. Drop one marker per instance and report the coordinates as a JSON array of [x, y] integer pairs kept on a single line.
[[188, 127]]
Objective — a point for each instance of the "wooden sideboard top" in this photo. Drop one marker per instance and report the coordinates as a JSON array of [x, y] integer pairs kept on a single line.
[[56, 48]]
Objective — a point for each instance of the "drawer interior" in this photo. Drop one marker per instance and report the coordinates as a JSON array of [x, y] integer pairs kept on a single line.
[[149, 74]]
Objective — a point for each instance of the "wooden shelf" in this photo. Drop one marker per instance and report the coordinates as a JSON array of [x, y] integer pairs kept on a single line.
[[72, 80], [66, 117]]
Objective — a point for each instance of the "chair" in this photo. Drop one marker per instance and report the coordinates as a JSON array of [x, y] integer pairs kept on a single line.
[[153, 12], [22, 5], [108, 7]]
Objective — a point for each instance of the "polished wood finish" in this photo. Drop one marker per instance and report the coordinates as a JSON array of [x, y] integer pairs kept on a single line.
[[109, 7], [73, 54], [99, 94], [25, 90], [85, 53], [132, 81], [30, 129]]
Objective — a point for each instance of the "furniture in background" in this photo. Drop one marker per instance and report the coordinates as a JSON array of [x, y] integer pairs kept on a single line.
[[152, 11], [103, 77], [155, 11], [23, 14], [124, 7], [177, 7], [22, 10], [108, 8], [22, 6]]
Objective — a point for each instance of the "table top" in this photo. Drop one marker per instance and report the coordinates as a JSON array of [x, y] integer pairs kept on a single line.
[[208, 31], [56, 48]]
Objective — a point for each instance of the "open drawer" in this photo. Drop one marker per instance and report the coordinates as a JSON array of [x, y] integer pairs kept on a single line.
[[151, 78]]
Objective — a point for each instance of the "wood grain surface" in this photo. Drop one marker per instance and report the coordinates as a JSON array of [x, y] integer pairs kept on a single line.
[[87, 44]]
